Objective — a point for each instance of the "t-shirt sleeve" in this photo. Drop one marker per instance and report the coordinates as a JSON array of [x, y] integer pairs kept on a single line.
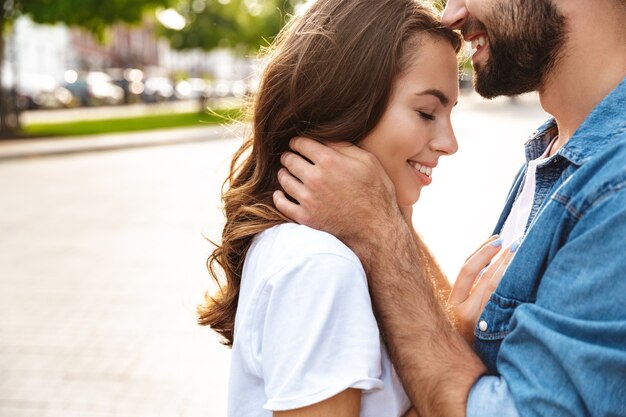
[[319, 335]]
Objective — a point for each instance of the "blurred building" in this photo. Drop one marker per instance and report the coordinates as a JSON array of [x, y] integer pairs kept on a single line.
[[125, 47], [219, 64], [84, 52], [133, 46], [35, 50]]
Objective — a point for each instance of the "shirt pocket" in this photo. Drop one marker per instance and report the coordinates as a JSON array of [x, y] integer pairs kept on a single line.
[[492, 327]]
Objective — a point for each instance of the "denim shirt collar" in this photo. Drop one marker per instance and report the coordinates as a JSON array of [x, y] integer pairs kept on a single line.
[[601, 125]]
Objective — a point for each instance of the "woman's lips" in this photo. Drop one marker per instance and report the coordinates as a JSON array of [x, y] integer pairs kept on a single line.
[[423, 172]]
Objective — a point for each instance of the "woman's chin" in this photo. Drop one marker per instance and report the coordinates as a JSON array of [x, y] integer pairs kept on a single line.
[[407, 201]]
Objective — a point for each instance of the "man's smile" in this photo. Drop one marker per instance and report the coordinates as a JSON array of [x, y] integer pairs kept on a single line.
[[479, 43]]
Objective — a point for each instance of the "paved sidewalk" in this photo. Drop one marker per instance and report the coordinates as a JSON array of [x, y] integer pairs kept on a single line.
[[102, 263]]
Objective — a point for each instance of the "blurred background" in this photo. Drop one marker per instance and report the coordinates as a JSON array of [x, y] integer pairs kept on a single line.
[[70, 54], [117, 124]]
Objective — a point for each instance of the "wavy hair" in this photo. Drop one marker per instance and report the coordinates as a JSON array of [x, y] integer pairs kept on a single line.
[[329, 76]]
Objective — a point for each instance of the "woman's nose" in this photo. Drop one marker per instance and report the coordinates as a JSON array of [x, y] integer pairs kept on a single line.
[[446, 143]]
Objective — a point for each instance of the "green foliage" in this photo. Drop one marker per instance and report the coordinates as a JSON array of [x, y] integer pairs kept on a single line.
[[243, 25], [439, 4], [93, 15]]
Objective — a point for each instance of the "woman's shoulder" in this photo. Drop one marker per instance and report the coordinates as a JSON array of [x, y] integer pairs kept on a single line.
[[291, 240], [290, 243]]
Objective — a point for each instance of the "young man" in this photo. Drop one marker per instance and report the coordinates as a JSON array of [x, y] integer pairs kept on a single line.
[[551, 340]]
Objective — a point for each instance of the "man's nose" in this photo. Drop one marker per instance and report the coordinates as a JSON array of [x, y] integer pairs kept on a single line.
[[454, 14]]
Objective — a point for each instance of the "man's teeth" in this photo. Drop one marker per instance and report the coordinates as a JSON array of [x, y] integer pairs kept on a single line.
[[479, 42], [421, 168]]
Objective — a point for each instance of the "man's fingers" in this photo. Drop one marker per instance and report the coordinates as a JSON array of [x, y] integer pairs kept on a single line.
[[297, 165], [309, 148], [347, 149], [292, 185], [287, 207]]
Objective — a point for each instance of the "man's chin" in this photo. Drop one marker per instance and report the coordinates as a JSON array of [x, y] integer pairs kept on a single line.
[[482, 85], [483, 80], [489, 86]]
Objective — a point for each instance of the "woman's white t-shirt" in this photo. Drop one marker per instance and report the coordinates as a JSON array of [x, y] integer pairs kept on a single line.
[[305, 329]]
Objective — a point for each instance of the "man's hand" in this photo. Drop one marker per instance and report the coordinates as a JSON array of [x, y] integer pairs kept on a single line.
[[344, 190], [339, 188]]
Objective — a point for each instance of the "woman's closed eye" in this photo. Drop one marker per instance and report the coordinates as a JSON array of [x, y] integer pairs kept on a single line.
[[426, 116]]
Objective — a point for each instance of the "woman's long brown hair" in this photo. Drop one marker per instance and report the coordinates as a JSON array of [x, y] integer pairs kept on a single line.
[[330, 74]]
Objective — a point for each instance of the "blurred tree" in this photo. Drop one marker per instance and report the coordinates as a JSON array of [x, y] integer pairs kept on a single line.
[[242, 25], [93, 15], [439, 4], [8, 115]]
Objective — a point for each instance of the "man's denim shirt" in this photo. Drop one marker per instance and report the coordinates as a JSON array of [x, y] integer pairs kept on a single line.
[[555, 328]]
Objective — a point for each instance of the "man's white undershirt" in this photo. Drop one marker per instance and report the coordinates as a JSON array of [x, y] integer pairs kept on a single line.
[[515, 226]]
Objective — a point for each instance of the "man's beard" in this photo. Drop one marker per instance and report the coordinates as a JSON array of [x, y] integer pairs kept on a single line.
[[526, 40]]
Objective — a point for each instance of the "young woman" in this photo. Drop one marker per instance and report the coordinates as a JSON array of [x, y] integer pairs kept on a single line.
[[295, 307]]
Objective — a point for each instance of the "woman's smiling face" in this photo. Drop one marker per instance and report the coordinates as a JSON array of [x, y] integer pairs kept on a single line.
[[415, 129]]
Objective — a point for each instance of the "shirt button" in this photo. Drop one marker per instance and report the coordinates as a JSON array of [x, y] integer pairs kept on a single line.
[[482, 325]]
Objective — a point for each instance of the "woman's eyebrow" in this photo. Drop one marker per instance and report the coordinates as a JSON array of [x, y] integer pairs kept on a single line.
[[436, 93]]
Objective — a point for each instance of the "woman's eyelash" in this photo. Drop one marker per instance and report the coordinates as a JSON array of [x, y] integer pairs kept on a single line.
[[426, 116]]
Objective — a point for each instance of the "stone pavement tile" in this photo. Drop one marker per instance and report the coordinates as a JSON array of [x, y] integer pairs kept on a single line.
[[29, 392], [12, 409], [65, 412]]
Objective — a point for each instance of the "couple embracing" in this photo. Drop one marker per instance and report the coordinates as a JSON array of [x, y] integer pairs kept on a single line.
[[331, 302]]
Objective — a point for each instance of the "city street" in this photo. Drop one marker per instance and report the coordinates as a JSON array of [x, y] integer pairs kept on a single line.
[[102, 262]]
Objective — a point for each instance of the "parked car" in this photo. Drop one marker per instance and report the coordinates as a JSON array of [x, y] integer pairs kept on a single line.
[[130, 80], [157, 89], [229, 88], [192, 89], [36, 91], [95, 88]]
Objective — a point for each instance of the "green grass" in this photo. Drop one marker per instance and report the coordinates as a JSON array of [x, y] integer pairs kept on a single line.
[[161, 121]]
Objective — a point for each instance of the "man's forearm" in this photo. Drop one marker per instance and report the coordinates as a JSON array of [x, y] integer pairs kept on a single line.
[[437, 366], [431, 269]]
